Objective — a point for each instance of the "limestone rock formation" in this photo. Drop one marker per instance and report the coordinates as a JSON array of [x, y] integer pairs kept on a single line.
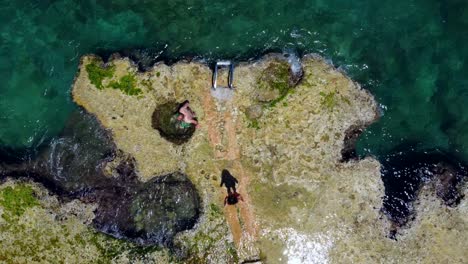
[[284, 137]]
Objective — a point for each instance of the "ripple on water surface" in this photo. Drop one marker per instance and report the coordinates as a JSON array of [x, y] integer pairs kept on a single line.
[[409, 54]]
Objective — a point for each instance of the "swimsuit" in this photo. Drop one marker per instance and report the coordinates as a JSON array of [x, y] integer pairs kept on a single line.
[[182, 123]]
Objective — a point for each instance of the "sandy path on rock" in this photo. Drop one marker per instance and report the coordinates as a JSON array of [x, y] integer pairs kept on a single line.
[[221, 128]]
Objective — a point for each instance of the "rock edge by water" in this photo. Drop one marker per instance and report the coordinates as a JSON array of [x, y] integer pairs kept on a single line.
[[289, 142], [284, 142]]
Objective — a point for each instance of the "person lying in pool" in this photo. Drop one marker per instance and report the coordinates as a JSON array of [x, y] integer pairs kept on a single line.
[[186, 115]]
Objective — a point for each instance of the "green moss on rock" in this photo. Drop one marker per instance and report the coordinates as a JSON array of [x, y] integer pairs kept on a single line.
[[57, 233], [331, 99], [15, 200], [112, 249], [148, 84], [127, 84], [328, 100], [253, 124], [215, 211], [97, 73], [275, 83], [210, 242]]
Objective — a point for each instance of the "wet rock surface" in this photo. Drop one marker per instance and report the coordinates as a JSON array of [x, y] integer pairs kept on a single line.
[[73, 166], [150, 213], [37, 226]]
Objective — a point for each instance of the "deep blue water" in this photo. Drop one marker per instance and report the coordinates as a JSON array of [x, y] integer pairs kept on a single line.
[[412, 55]]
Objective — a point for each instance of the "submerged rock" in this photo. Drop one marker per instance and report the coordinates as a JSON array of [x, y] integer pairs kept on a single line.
[[404, 174], [151, 213], [448, 182], [348, 153], [71, 163], [74, 161], [45, 229]]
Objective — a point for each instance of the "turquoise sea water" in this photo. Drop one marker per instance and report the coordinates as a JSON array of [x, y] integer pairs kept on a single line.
[[412, 55]]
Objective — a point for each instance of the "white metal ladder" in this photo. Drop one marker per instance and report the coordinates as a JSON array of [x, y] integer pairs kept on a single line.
[[230, 76]]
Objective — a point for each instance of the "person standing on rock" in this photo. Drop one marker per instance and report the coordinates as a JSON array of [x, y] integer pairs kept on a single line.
[[232, 198], [186, 115]]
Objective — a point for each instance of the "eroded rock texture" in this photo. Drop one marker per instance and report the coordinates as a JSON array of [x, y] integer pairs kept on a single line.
[[285, 136], [83, 163]]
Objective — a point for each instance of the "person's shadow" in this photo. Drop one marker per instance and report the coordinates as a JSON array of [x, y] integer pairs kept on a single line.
[[229, 181]]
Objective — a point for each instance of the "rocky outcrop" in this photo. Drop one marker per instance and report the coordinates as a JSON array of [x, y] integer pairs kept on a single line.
[[284, 133], [284, 137]]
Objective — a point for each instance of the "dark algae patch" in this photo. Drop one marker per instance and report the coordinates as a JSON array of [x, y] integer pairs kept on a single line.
[[97, 73], [154, 211]]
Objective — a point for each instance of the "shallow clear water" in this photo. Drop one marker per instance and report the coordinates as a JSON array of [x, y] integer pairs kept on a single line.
[[411, 54]]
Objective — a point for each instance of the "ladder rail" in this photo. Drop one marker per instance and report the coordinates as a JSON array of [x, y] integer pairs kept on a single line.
[[215, 78]]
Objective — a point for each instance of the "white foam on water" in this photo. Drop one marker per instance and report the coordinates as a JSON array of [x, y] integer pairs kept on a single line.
[[222, 93], [294, 61]]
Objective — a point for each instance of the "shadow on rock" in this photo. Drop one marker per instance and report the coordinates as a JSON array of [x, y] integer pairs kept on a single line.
[[83, 163]]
